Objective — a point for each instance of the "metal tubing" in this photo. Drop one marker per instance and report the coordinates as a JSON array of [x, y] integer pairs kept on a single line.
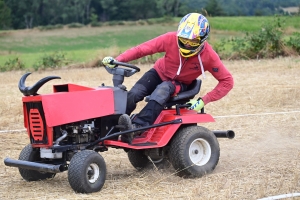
[[176, 121], [33, 165], [65, 134], [224, 134]]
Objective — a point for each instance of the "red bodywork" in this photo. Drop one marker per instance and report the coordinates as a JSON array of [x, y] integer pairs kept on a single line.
[[72, 103], [69, 103], [160, 136]]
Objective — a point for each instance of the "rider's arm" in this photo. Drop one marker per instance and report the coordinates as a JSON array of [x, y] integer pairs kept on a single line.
[[221, 73], [147, 48]]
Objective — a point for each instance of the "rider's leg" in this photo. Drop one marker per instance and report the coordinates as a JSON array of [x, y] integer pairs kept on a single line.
[[157, 101], [143, 87]]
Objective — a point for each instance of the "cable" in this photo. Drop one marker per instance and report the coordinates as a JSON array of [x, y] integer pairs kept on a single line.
[[257, 114], [216, 117], [282, 196]]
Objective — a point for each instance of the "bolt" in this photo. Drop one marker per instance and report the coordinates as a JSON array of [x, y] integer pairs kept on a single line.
[[195, 151]]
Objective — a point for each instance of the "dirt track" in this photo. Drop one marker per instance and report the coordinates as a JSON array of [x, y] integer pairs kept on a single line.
[[262, 160]]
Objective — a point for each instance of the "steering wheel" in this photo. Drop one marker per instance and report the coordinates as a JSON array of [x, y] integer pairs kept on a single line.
[[121, 71]]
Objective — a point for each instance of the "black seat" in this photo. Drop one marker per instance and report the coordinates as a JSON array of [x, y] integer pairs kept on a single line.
[[183, 97]]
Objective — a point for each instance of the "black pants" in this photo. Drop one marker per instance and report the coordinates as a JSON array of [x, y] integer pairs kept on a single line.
[[142, 88]]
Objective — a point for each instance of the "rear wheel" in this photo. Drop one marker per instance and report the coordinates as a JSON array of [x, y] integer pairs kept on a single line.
[[194, 151], [87, 172], [33, 155], [138, 159]]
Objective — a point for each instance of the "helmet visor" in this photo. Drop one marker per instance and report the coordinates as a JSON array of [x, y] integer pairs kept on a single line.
[[190, 42]]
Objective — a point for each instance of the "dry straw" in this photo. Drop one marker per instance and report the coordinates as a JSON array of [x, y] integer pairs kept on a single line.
[[263, 159]]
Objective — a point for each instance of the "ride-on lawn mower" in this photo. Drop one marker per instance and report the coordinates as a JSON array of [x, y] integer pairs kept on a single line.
[[69, 127]]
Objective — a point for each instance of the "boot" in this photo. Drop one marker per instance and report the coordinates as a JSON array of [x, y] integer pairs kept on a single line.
[[125, 121], [137, 133]]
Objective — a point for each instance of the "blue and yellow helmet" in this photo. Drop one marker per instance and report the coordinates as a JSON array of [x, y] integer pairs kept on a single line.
[[193, 30]]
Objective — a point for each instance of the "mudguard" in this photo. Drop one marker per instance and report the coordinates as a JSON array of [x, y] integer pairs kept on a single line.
[[160, 136]]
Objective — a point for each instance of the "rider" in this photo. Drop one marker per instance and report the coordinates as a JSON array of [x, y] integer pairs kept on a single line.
[[187, 56]]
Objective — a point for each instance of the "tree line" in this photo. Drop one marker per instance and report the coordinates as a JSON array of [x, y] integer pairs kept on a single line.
[[16, 14]]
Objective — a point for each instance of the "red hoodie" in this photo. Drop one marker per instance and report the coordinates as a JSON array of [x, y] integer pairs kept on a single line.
[[172, 66]]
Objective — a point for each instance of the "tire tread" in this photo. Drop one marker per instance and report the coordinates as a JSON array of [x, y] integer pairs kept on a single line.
[[178, 147]]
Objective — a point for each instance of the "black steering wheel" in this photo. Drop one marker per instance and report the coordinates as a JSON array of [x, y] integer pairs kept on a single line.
[[119, 73], [114, 62], [122, 71]]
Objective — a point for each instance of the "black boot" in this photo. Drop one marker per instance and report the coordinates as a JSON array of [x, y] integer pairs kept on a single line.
[[125, 121]]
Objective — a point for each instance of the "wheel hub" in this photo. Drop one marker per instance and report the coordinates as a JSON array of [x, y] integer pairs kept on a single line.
[[199, 152], [93, 173]]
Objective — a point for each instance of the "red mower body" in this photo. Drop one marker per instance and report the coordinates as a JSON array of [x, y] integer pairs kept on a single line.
[[69, 103], [72, 103], [69, 127]]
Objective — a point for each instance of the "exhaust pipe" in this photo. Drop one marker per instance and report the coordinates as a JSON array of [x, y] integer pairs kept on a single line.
[[224, 134], [42, 167]]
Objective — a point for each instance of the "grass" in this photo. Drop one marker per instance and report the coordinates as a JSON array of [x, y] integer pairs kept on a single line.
[[262, 160], [79, 45], [83, 39], [249, 24], [84, 44], [29, 59]]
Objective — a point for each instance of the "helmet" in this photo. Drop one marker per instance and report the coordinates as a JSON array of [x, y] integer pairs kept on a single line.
[[192, 31]]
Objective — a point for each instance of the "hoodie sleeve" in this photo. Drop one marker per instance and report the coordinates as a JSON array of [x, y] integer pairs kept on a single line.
[[150, 47], [221, 73]]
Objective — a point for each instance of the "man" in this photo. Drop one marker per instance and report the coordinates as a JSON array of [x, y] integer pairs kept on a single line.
[[187, 56]]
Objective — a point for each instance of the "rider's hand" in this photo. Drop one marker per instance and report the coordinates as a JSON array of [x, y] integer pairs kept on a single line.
[[107, 62], [196, 105]]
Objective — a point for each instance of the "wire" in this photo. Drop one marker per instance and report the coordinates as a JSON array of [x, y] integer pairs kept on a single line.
[[257, 114], [216, 117], [282, 196]]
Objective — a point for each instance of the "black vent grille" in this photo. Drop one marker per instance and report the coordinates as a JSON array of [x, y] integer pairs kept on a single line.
[[37, 123]]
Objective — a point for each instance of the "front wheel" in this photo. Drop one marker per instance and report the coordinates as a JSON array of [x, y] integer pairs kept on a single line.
[[33, 155], [194, 151], [87, 172]]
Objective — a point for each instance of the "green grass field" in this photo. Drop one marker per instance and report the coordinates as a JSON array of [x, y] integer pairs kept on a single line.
[[83, 44], [250, 24], [79, 45]]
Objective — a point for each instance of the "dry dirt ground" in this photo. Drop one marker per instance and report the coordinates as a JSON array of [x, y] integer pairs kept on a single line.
[[263, 159]]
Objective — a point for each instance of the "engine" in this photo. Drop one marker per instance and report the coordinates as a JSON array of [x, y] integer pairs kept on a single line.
[[76, 133]]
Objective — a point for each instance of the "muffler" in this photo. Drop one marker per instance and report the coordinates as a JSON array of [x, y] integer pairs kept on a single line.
[[42, 167], [224, 134]]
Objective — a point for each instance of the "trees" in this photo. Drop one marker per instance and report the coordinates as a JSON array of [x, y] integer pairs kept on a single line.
[[32, 13], [5, 17], [168, 7], [213, 8], [24, 13]]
